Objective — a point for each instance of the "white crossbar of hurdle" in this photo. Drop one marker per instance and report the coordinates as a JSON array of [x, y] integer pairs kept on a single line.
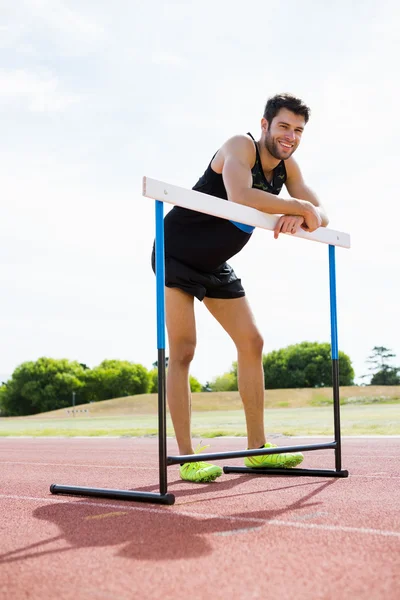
[[172, 194], [164, 192]]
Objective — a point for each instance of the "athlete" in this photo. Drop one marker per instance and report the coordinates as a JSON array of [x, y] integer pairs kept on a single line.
[[197, 246]]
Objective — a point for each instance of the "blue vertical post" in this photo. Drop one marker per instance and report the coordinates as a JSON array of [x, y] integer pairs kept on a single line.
[[160, 285], [335, 358]]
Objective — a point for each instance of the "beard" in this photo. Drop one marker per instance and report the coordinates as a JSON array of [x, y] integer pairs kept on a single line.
[[273, 148]]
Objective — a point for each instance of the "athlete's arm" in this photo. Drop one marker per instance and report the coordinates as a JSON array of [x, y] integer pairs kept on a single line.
[[237, 157], [297, 188]]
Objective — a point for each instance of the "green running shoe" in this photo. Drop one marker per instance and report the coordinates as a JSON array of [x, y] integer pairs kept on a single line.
[[281, 461], [200, 472]]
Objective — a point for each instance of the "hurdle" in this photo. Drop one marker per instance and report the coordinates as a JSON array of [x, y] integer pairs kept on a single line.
[[193, 200]]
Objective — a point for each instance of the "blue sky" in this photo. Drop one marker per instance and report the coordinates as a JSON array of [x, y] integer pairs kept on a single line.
[[94, 95]]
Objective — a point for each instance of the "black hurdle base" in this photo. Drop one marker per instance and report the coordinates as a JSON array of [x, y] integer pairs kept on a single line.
[[172, 460], [287, 472], [113, 494]]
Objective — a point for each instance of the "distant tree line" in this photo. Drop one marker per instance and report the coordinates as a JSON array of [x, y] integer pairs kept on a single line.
[[304, 365], [48, 384]]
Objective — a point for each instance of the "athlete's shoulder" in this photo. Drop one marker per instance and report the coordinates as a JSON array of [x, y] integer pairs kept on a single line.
[[240, 140], [239, 146]]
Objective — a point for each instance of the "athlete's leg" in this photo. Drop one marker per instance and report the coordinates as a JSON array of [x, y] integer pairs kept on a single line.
[[237, 319], [181, 326]]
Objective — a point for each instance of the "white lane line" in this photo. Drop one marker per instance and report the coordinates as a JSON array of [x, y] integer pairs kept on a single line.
[[339, 528], [345, 437], [232, 518], [236, 531], [366, 456], [385, 476], [42, 464]]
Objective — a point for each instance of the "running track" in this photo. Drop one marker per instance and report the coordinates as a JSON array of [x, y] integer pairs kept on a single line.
[[239, 538]]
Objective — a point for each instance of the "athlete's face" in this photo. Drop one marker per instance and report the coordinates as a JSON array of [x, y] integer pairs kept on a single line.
[[283, 134]]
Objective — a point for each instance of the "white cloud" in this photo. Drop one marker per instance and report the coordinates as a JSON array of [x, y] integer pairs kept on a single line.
[[36, 92], [57, 16], [30, 25], [166, 58]]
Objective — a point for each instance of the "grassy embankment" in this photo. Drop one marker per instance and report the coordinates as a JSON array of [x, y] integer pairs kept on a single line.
[[365, 410]]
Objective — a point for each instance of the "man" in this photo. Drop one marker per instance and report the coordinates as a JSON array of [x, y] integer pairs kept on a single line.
[[197, 247]]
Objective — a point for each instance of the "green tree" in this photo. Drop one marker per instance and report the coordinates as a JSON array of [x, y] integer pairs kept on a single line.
[[114, 379], [224, 383], [40, 386], [386, 376], [47, 384], [303, 365], [228, 382], [3, 388], [153, 381], [382, 372], [195, 385]]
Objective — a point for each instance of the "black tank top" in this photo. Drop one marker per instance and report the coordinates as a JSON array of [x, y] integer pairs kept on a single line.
[[205, 242]]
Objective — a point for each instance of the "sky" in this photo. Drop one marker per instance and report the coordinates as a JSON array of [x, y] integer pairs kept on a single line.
[[96, 94]]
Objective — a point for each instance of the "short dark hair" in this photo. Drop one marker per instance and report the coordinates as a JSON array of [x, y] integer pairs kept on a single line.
[[288, 101]]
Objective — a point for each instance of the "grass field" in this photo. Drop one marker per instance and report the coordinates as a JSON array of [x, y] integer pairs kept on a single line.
[[356, 420], [364, 410]]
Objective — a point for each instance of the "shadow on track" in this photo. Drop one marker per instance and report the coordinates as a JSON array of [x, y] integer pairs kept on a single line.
[[146, 532]]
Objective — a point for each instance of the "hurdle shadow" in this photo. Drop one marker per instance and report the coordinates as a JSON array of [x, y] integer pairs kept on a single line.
[[185, 489], [145, 533]]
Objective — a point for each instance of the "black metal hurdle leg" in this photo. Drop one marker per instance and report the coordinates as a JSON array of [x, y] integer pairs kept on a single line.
[[336, 445], [137, 496], [335, 358]]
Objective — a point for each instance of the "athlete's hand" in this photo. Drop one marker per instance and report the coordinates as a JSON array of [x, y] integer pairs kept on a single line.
[[312, 218], [288, 224]]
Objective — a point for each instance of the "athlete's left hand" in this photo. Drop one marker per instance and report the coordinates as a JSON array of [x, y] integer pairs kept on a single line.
[[288, 224]]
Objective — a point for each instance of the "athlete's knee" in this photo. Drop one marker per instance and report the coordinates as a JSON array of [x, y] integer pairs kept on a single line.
[[182, 352], [256, 342], [251, 343]]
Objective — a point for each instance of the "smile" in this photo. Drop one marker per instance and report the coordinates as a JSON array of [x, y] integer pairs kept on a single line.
[[286, 145]]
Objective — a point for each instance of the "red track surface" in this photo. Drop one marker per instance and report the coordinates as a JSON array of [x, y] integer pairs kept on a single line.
[[241, 537]]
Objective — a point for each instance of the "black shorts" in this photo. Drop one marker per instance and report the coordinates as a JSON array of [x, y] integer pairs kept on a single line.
[[221, 283]]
